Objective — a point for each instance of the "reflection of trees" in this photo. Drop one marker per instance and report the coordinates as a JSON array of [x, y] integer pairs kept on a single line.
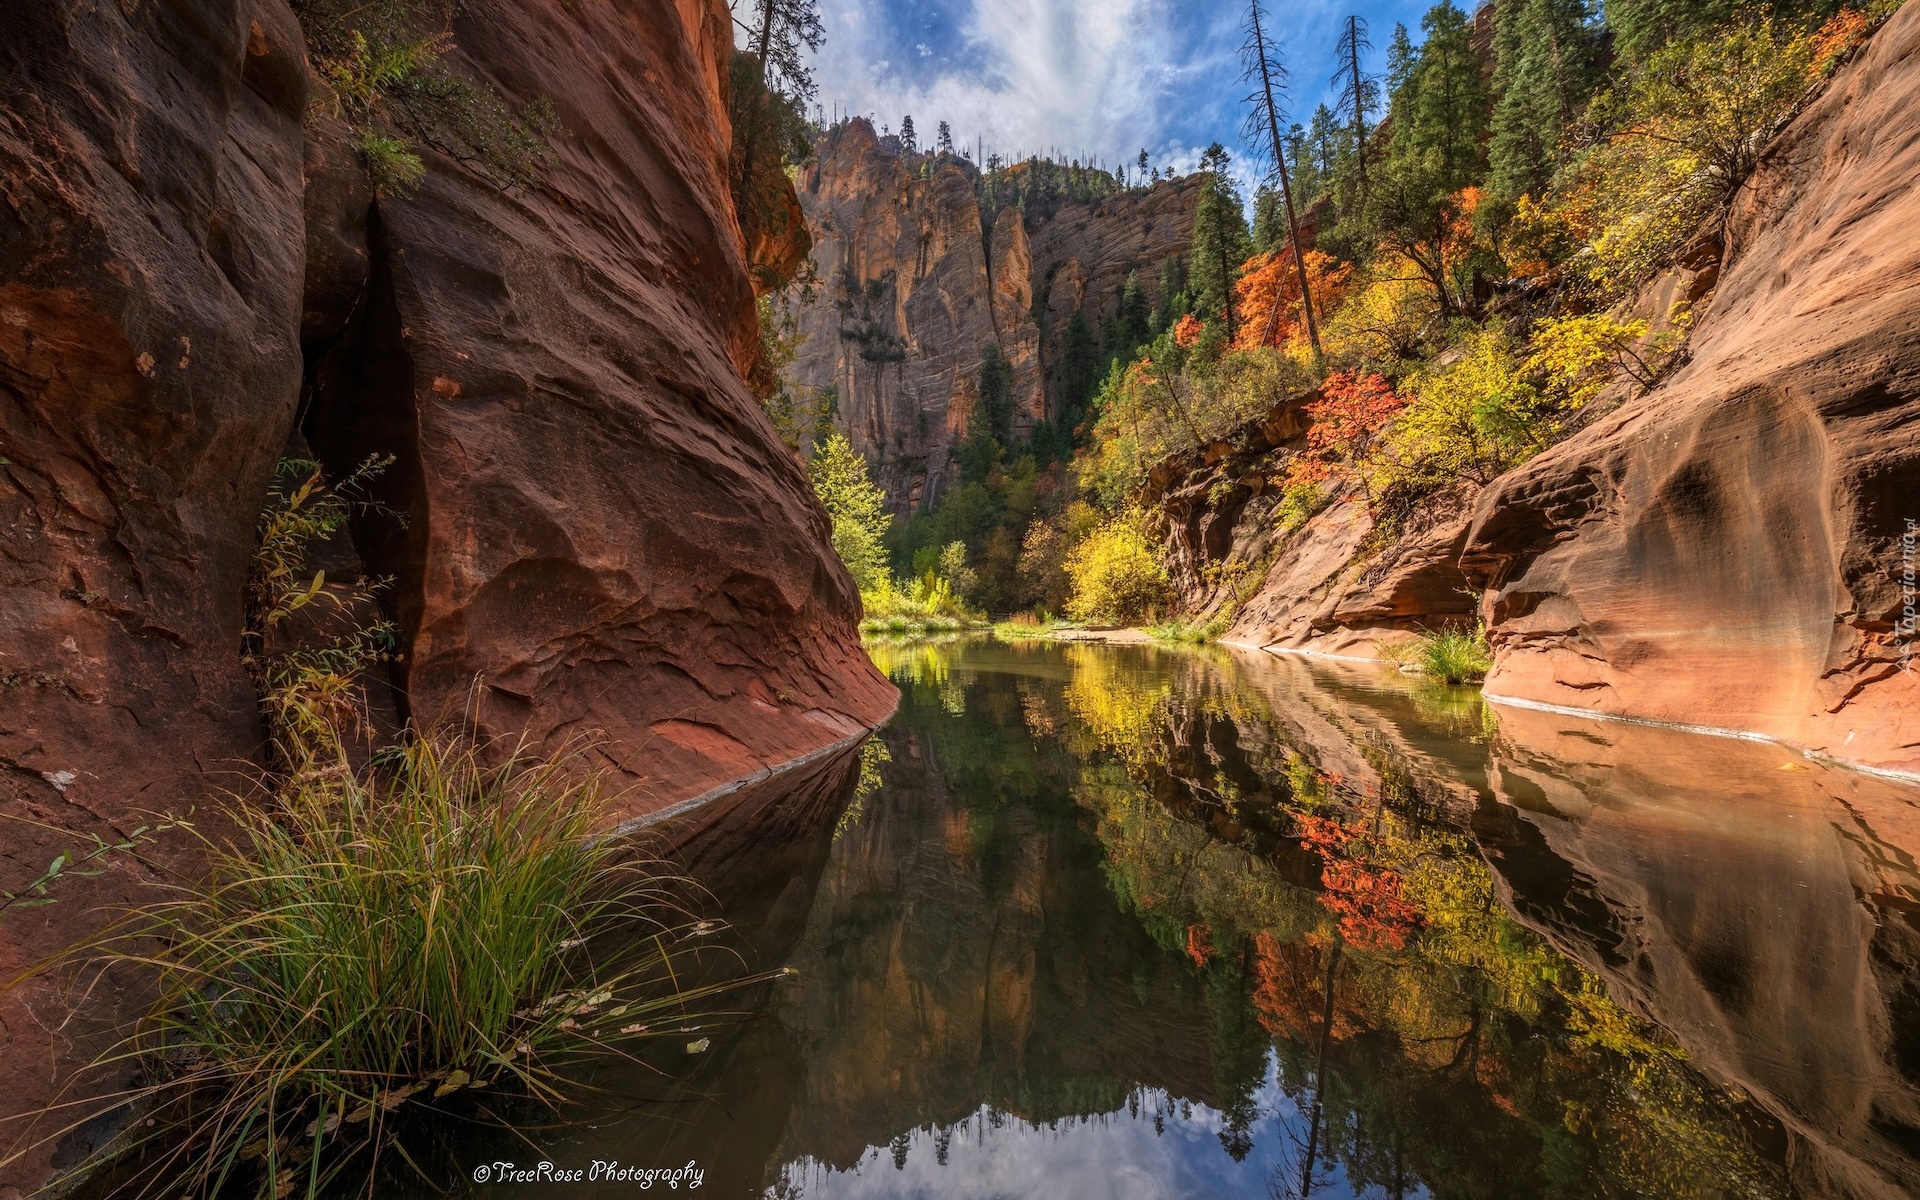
[[1425, 1033]]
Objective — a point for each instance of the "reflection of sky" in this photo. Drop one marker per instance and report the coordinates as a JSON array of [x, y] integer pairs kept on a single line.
[[1115, 1156], [1089, 79]]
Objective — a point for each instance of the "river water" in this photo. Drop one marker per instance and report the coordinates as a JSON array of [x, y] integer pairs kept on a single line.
[[1110, 921]]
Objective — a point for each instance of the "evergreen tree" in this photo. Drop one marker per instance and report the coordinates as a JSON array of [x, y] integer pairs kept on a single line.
[[786, 31], [1546, 64], [1132, 325], [1079, 363], [1175, 299], [1220, 241], [907, 139], [1269, 221], [1641, 27], [996, 395], [1439, 109], [945, 143], [1359, 92]]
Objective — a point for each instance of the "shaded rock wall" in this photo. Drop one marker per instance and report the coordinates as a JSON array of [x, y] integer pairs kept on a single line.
[[1726, 551], [604, 538], [150, 276], [911, 288]]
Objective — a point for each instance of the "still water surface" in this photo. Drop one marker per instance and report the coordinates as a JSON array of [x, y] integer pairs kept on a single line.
[[1101, 921]]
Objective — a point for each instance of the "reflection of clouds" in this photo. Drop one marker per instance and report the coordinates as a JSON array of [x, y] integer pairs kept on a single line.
[[1110, 1156], [1098, 78]]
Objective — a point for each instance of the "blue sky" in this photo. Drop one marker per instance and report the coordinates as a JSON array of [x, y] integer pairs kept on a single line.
[[1087, 77]]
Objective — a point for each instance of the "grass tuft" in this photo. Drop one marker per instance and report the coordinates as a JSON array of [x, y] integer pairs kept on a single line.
[[385, 938], [1457, 656], [1189, 632]]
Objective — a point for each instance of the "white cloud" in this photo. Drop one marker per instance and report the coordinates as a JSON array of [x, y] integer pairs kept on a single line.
[[1079, 76]]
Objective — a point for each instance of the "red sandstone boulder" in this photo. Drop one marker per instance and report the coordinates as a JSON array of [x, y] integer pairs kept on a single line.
[[1726, 551]]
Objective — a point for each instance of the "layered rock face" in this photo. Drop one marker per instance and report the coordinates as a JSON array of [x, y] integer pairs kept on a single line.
[[1727, 550], [150, 280], [603, 538], [911, 287]]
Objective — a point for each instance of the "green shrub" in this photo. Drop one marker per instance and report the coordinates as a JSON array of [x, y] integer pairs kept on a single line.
[[1456, 656], [856, 507], [1115, 573], [1193, 633]]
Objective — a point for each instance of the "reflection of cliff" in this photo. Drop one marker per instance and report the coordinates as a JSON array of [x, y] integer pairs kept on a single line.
[[963, 949], [1426, 1033], [912, 288], [1762, 909]]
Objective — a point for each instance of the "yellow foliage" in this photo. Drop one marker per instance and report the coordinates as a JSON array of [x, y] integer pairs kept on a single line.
[[1115, 574]]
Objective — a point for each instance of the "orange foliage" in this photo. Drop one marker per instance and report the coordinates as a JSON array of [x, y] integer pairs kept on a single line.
[[1843, 31], [1186, 331], [1267, 297], [1352, 408], [1199, 945], [1373, 913]]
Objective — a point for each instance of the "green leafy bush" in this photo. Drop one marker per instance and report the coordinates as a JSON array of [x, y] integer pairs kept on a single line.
[[857, 509]]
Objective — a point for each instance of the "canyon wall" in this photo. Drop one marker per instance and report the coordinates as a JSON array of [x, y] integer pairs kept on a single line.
[[1724, 550], [603, 539], [911, 286]]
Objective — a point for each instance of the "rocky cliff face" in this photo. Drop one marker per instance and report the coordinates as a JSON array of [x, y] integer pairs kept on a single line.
[[912, 286], [603, 536], [1727, 550]]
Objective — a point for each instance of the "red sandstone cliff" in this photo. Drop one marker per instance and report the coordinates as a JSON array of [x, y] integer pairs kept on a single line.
[[604, 537], [912, 288], [1725, 551]]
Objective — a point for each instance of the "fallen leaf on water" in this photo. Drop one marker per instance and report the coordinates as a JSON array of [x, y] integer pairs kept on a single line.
[[454, 1083], [700, 1046]]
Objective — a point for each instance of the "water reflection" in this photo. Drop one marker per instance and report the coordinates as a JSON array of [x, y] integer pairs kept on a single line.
[[1142, 922]]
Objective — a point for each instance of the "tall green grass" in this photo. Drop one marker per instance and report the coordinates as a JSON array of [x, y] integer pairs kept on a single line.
[[1457, 656], [386, 938]]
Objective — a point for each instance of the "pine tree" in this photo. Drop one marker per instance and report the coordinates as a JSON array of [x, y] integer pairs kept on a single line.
[[1439, 109], [1641, 27], [907, 140], [945, 143], [1132, 325], [1079, 366], [1175, 299], [1269, 221], [1547, 57], [787, 30], [1220, 241], [1359, 92], [1260, 56]]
